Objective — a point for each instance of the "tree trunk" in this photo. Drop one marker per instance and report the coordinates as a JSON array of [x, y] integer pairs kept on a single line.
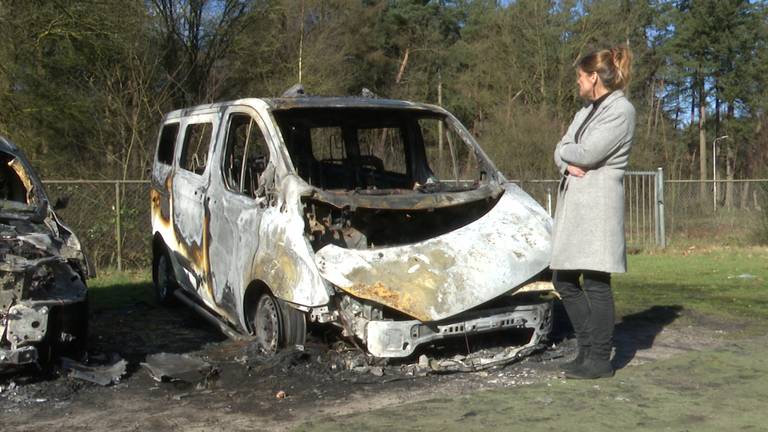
[[403, 64], [651, 104], [717, 110], [678, 105], [744, 204], [730, 162], [702, 141], [693, 105], [657, 114], [440, 166], [301, 40]]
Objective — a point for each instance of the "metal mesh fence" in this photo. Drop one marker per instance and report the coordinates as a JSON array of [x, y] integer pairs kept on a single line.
[[737, 215], [640, 219], [722, 212], [683, 212], [110, 238]]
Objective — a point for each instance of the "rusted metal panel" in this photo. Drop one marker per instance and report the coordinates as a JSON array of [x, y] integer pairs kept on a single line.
[[444, 276]]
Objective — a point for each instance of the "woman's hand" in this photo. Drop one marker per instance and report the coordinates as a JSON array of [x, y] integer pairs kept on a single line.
[[575, 171]]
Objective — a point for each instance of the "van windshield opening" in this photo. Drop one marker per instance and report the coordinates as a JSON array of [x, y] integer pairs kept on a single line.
[[370, 149]]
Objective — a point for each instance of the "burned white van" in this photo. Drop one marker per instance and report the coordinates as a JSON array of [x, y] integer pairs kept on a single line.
[[384, 217]]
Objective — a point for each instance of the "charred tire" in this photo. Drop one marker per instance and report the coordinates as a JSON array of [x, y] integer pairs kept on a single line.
[[163, 279], [66, 335], [277, 325], [73, 335]]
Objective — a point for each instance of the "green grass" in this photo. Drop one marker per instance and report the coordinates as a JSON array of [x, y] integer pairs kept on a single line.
[[723, 283], [111, 289], [726, 227], [721, 389]]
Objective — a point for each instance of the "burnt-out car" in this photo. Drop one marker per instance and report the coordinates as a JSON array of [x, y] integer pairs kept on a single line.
[[384, 217], [43, 295]]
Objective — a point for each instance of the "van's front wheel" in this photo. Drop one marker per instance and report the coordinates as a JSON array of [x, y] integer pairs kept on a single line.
[[277, 325]]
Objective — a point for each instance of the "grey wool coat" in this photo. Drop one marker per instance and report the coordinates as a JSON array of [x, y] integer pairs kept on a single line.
[[589, 218]]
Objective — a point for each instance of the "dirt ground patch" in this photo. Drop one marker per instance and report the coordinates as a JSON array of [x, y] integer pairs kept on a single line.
[[243, 395]]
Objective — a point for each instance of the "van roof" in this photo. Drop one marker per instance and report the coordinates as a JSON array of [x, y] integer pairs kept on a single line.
[[286, 103]]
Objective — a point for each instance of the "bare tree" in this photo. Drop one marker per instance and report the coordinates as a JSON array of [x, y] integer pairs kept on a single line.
[[196, 35]]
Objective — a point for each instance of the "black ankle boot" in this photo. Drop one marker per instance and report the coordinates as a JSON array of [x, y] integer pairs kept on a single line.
[[578, 361], [592, 368]]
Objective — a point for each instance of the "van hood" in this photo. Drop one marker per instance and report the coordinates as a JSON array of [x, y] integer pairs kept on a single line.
[[445, 275]]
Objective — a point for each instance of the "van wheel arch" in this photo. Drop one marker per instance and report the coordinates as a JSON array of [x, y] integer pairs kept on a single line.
[[163, 278], [274, 323]]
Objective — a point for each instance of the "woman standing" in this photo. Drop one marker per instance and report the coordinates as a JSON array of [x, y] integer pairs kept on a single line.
[[588, 239]]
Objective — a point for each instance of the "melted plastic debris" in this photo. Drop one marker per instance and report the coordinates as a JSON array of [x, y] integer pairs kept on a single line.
[[103, 375], [177, 367]]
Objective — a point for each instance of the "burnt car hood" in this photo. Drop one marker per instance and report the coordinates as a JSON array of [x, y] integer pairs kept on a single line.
[[29, 258], [451, 273], [34, 270]]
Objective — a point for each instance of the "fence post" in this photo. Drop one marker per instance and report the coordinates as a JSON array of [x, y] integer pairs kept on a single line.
[[549, 201], [661, 234], [118, 228]]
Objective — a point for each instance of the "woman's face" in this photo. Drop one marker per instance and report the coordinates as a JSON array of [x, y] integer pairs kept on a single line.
[[586, 82]]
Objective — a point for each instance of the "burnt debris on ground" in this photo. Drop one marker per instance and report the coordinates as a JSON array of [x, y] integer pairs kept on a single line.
[[99, 369], [198, 362]]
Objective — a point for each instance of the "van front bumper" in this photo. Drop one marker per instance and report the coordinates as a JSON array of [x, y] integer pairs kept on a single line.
[[401, 338]]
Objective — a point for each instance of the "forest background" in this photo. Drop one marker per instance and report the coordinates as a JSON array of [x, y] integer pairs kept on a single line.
[[83, 84]]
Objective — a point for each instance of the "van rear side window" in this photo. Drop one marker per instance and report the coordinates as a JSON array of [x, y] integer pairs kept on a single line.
[[167, 143], [194, 153]]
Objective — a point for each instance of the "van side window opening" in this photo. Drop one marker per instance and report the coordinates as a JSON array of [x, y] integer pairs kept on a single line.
[[246, 155], [167, 143], [235, 149], [194, 152], [256, 159]]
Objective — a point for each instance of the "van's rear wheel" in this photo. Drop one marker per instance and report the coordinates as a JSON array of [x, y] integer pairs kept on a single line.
[[277, 325], [162, 278]]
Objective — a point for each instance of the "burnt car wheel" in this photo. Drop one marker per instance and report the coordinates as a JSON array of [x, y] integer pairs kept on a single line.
[[276, 325], [73, 330], [163, 279], [66, 336]]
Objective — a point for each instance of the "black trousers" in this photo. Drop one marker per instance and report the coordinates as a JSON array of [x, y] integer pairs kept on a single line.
[[590, 308]]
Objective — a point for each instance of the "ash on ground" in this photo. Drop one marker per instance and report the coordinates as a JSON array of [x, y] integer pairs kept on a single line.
[[320, 371]]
